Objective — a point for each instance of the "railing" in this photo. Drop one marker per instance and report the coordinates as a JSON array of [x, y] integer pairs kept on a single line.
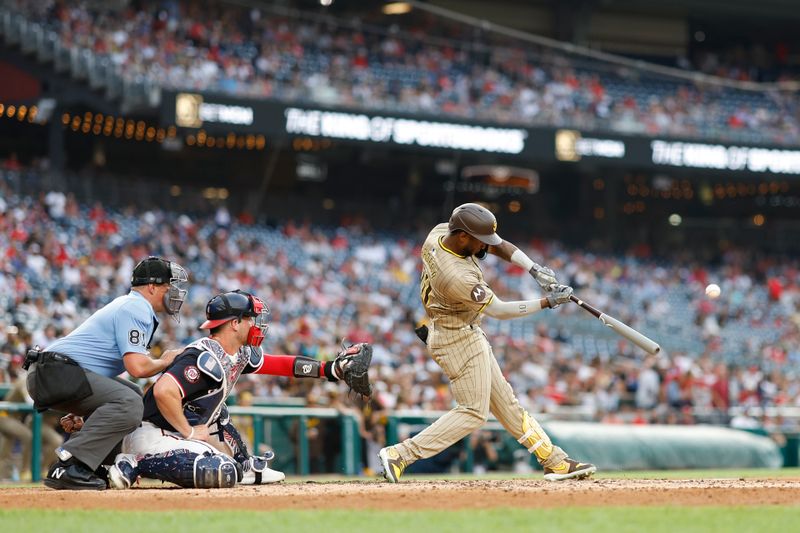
[[350, 438], [399, 424], [36, 438]]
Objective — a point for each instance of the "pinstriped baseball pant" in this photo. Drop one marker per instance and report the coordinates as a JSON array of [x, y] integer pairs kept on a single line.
[[478, 387]]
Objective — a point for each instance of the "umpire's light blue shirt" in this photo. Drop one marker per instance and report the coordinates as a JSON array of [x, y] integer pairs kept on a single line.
[[124, 325]]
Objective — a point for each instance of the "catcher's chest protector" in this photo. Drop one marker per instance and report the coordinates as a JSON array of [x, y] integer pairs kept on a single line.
[[224, 371]]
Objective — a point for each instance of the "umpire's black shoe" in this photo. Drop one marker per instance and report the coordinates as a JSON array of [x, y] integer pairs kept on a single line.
[[73, 475]]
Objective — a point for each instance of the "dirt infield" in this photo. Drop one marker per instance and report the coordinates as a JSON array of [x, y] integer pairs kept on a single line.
[[445, 495]]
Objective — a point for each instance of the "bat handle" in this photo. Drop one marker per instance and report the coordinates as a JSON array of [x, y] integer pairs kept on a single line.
[[593, 310]]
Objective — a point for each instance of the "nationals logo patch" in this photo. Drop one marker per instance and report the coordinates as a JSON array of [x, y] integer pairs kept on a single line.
[[478, 293], [191, 374]]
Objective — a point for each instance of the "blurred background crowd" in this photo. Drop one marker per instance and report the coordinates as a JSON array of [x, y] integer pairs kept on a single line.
[[60, 261], [328, 231], [427, 66]]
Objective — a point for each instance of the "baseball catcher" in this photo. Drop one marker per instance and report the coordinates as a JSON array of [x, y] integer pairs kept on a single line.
[[186, 436]]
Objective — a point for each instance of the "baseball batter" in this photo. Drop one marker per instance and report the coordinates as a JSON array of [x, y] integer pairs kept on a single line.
[[455, 297]]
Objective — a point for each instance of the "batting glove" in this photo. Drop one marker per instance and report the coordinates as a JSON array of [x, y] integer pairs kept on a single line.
[[559, 295], [544, 276]]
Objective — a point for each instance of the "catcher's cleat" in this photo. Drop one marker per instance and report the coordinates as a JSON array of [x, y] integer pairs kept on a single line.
[[264, 477], [256, 472], [122, 474], [393, 464], [569, 469]]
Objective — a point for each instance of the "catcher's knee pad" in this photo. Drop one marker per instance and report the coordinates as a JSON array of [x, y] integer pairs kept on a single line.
[[534, 438], [215, 472]]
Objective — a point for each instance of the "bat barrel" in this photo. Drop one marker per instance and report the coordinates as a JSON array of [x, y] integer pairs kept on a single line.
[[620, 328], [631, 334]]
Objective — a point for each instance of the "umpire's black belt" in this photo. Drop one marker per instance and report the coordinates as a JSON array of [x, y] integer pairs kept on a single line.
[[35, 356]]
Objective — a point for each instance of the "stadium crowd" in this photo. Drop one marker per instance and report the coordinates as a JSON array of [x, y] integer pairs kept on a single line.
[[373, 64], [59, 261]]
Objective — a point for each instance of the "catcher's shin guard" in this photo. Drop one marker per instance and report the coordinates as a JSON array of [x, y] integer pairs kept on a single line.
[[191, 470], [535, 439], [215, 472]]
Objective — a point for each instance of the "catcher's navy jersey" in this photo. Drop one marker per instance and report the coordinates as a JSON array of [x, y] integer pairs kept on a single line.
[[204, 381]]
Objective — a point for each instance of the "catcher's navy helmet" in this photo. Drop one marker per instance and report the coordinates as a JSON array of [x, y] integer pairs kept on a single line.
[[238, 305]]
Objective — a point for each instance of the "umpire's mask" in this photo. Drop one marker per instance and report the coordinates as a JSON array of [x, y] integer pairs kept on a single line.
[[175, 296], [160, 271]]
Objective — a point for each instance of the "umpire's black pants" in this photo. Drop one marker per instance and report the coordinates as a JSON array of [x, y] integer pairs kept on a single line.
[[115, 406]]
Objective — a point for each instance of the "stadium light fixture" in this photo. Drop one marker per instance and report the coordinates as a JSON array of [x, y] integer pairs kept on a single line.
[[396, 8]]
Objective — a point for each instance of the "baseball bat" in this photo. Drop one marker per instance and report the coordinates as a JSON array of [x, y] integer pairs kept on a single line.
[[620, 328]]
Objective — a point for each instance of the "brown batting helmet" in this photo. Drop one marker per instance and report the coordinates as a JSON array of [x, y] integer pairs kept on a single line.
[[477, 221]]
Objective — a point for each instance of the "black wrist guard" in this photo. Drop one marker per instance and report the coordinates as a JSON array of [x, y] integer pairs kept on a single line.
[[329, 373], [305, 367]]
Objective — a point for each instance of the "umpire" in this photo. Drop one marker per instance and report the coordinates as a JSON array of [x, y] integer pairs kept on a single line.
[[79, 373]]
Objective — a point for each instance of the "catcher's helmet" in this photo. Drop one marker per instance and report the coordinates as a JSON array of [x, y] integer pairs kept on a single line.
[[237, 305], [477, 221]]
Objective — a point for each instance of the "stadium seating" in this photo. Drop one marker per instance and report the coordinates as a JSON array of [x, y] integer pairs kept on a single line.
[[298, 58], [324, 284]]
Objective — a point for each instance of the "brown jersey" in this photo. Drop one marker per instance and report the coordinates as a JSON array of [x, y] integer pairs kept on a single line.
[[452, 287]]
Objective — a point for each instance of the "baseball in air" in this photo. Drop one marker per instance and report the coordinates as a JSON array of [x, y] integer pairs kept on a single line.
[[713, 290]]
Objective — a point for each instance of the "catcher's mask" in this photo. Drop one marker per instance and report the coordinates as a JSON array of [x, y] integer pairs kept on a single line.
[[238, 305], [160, 271]]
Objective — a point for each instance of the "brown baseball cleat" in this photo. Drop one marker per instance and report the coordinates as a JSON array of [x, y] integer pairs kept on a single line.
[[569, 469]]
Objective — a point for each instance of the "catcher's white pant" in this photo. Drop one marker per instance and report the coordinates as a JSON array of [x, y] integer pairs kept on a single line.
[[149, 438]]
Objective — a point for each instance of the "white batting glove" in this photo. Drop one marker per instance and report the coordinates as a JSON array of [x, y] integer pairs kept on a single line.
[[559, 295], [544, 276]]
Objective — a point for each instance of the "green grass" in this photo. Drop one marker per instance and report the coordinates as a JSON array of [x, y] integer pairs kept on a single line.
[[596, 520]]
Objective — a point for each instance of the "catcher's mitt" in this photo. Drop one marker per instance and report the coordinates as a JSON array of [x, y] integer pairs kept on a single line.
[[352, 367]]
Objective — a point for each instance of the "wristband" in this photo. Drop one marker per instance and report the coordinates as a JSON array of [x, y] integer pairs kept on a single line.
[[330, 371], [521, 260], [191, 434]]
